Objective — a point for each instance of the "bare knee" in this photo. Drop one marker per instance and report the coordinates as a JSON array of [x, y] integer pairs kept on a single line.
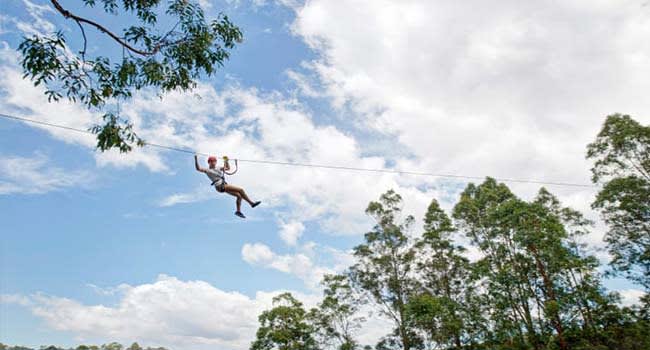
[[233, 192]]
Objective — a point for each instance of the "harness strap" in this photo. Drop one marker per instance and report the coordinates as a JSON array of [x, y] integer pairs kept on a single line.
[[223, 179], [223, 173]]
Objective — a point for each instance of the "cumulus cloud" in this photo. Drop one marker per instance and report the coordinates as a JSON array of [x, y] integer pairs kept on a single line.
[[38, 25], [168, 312], [33, 175], [506, 89], [257, 254], [246, 124], [291, 231], [299, 264]]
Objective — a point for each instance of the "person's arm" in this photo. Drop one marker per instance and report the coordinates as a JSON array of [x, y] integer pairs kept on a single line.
[[196, 164], [226, 165]]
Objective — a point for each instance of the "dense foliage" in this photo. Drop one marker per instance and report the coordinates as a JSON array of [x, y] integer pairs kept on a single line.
[[531, 285], [622, 164], [285, 327], [164, 59]]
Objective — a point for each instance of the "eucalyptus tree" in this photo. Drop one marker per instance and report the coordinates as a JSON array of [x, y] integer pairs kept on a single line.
[[157, 56], [384, 268], [540, 236], [112, 346], [446, 308], [584, 300], [87, 347], [503, 272], [337, 316], [286, 326], [535, 272], [621, 154]]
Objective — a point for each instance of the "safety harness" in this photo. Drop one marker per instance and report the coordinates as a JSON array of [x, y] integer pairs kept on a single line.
[[221, 187]]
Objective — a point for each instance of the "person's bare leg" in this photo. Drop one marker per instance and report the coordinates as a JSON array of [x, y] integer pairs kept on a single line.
[[239, 203], [236, 194], [245, 196], [239, 191]]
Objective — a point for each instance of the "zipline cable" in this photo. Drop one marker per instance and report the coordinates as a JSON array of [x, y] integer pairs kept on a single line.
[[323, 166]]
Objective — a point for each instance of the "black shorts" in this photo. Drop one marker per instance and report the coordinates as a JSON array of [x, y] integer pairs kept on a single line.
[[221, 188]]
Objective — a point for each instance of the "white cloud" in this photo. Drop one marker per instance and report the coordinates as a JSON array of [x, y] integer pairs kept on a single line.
[[302, 266], [33, 175], [246, 124], [168, 312], [506, 89], [303, 84], [15, 299], [257, 254], [21, 98], [205, 4], [38, 24], [299, 265], [178, 199], [291, 231]]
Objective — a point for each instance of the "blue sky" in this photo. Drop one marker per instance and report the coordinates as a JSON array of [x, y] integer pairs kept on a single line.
[[102, 247]]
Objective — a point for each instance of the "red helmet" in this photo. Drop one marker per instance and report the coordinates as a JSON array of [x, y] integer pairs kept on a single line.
[[212, 159]]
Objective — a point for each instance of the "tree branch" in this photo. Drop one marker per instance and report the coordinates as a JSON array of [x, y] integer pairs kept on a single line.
[[83, 32], [68, 14]]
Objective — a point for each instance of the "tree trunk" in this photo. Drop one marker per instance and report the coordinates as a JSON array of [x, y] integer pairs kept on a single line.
[[550, 292]]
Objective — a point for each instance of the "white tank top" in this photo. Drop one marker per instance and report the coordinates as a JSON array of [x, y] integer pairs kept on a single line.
[[215, 175]]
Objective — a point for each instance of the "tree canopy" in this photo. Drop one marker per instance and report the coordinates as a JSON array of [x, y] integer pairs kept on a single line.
[[285, 327], [531, 285], [165, 48], [621, 155]]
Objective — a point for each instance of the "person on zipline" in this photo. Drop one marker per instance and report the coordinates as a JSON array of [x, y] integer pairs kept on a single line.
[[218, 178]]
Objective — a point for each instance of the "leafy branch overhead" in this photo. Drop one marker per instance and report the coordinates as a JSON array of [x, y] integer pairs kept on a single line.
[[166, 60]]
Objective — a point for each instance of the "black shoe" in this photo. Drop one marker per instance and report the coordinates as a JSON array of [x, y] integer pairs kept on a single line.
[[239, 213], [255, 204]]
